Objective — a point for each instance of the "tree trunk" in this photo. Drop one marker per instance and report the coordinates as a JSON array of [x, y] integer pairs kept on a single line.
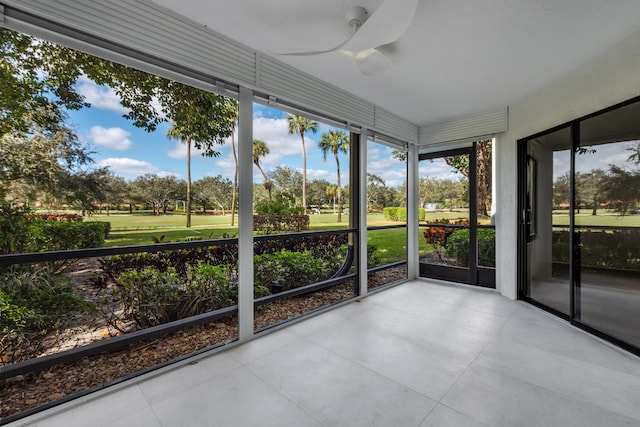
[[267, 183], [339, 191], [304, 175], [235, 180], [188, 207]]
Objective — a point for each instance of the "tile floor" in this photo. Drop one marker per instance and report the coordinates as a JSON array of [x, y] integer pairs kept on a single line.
[[419, 354]]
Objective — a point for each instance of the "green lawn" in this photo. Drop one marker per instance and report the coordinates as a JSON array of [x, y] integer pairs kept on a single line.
[[605, 218], [140, 229], [391, 244]]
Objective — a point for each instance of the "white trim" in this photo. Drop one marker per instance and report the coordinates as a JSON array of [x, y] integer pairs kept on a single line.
[[120, 30], [412, 213], [245, 215], [468, 128], [362, 243]]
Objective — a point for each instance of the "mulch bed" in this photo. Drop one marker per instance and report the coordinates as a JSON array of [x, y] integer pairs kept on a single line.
[[24, 392]]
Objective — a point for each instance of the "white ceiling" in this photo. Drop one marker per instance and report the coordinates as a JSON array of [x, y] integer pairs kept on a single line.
[[458, 57]]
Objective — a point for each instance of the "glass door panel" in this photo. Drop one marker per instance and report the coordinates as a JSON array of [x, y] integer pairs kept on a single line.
[[607, 223], [546, 217]]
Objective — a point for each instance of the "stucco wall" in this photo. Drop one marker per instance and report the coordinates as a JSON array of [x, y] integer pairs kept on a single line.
[[609, 78]]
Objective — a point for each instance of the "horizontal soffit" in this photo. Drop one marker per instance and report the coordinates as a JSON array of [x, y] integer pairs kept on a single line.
[[181, 44]]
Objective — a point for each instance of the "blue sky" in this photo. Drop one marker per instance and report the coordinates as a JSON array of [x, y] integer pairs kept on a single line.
[[129, 151]]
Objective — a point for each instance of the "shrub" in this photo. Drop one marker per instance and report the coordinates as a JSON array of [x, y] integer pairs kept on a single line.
[[600, 249], [275, 223], [61, 217], [21, 231], [400, 214], [390, 214], [150, 297], [64, 235], [179, 260], [324, 246], [14, 230], [373, 257], [282, 204], [292, 269], [33, 303], [458, 246]]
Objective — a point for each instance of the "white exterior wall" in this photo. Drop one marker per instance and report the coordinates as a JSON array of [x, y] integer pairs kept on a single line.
[[609, 78]]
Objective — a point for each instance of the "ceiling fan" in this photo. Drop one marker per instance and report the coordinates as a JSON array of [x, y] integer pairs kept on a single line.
[[385, 25]]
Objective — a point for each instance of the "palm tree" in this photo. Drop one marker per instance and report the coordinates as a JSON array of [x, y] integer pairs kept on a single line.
[[331, 191], [260, 149], [335, 141], [300, 125], [234, 191], [176, 133]]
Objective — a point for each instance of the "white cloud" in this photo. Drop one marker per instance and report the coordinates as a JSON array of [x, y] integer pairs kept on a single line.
[[275, 132], [166, 173], [101, 97], [127, 166], [438, 170], [112, 138], [620, 159], [330, 176], [179, 151], [225, 166]]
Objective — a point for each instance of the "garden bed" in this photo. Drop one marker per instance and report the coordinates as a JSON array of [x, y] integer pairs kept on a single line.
[[25, 392]]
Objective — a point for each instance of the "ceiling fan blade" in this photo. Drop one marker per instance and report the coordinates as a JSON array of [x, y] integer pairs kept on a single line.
[[314, 52], [372, 62], [386, 25]]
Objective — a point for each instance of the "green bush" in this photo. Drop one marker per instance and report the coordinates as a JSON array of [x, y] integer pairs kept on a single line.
[[457, 246], [33, 303], [400, 214], [14, 230], [24, 232], [151, 297], [390, 214], [57, 235], [600, 249], [292, 269], [272, 223], [282, 204]]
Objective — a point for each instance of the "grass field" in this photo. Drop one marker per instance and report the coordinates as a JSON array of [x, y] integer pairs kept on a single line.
[[139, 229], [608, 219], [391, 244]]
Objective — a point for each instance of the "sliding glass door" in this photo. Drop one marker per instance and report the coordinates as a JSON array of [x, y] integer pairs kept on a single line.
[[579, 200]]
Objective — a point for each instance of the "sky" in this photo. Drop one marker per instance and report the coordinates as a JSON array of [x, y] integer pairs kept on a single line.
[[599, 157], [130, 152]]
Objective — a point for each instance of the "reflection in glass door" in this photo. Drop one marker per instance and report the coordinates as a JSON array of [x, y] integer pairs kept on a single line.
[[546, 215], [607, 223], [579, 200]]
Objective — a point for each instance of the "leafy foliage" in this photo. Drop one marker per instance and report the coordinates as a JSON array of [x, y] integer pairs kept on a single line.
[[150, 297], [24, 232], [438, 237], [57, 235], [600, 249], [400, 214], [282, 204], [457, 246], [292, 269], [33, 302]]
